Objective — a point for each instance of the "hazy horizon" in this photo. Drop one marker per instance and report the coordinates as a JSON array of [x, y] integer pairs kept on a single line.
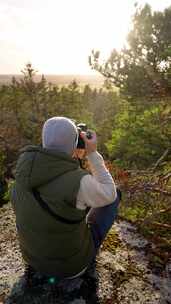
[[59, 79], [51, 74]]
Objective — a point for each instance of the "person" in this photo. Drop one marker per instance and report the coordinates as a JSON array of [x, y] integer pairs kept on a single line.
[[51, 197]]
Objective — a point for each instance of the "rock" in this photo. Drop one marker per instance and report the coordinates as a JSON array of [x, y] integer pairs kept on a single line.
[[128, 234], [122, 270]]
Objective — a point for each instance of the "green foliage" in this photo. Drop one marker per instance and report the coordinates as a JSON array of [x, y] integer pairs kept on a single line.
[[143, 66], [142, 72], [27, 103], [139, 138], [7, 194], [132, 135]]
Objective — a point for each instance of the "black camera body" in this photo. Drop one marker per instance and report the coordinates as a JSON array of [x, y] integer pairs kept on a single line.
[[82, 127]]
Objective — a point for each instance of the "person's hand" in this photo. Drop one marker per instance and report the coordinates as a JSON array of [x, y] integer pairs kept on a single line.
[[90, 144]]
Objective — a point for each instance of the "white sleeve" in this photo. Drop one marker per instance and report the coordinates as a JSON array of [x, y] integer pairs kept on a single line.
[[98, 189]]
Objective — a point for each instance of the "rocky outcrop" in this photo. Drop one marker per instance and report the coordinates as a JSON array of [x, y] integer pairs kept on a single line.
[[124, 273]]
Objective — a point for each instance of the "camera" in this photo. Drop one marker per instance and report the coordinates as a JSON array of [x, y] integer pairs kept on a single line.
[[82, 127]]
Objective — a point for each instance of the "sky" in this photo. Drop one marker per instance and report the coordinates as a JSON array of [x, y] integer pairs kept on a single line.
[[57, 36]]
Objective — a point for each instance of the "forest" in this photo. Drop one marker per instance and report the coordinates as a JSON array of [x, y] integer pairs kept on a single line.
[[131, 114]]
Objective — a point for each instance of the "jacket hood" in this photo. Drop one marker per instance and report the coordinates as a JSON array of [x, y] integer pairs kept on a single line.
[[38, 166]]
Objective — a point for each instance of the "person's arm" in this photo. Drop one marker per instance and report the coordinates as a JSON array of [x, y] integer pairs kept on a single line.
[[98, 189]]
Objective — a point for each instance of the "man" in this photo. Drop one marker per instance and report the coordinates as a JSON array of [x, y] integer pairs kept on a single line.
[[51, 196]]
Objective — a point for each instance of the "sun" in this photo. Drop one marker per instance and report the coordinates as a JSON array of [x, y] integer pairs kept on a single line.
[[73, 28], [57, 36]]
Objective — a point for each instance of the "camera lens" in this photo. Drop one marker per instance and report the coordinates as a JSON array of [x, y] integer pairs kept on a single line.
[[89, 134]]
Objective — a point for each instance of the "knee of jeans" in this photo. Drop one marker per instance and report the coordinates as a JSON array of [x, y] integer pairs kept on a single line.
[[112, 209]]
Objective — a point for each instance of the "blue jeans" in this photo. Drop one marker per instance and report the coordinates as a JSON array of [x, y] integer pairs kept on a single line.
[[101, 219]]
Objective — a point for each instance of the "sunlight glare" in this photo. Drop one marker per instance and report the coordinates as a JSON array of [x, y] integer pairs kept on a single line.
[[57, 36], [72, 29]]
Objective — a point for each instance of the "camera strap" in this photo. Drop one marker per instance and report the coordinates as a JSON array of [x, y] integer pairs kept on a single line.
[[45, 206]]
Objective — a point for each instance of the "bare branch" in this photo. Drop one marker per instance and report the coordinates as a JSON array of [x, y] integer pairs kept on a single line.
[[166, 152], [162, 225]]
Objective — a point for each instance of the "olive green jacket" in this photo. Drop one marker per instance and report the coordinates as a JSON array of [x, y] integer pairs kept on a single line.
[[52, 246]]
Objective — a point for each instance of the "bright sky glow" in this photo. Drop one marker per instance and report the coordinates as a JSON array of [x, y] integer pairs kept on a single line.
[[57, 36]]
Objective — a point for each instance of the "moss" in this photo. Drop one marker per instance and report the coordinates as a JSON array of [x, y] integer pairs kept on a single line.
[[111, 242]]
